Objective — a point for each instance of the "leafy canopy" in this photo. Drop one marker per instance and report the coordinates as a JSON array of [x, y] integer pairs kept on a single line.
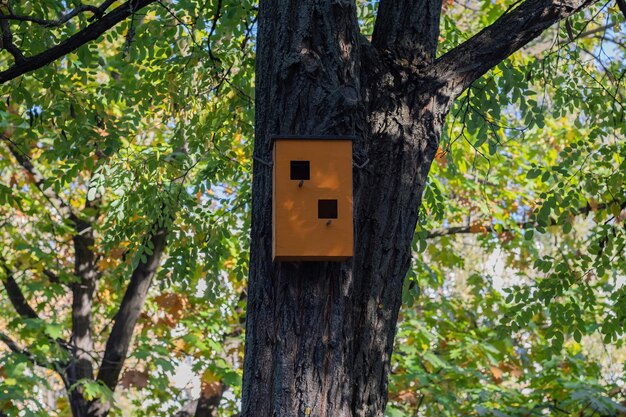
[[514, 304]]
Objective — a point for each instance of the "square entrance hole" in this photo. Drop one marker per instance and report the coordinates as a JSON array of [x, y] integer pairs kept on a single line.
[[326, 209], [300, 170]]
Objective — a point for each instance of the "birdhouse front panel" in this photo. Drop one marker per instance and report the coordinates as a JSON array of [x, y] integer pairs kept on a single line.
[[312, 199]]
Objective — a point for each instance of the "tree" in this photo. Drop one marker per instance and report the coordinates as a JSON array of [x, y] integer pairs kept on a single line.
[[319, 336], [125, 162], [107, 189]]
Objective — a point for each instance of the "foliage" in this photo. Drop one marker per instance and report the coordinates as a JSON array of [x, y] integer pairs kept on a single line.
[[522, 289], [132, 131], [152, 124]]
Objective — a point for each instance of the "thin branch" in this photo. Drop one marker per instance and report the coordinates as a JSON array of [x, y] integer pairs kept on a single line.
[[57, 22], [52, 277], [216, 17], [7, 41], [25, 311], [56, 201], [88, 34], [538, 49], [180, 22], [460, 230], [52, 365]]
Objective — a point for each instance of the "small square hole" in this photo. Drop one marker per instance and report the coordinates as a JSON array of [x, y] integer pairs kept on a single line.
[[300, 170], [326, 209]]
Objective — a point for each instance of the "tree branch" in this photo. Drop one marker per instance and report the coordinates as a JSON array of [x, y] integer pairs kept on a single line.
[[460, 230], [126, 318], [7, 41], [21, 306], [52, 276], [12, 345], [542, 47], [57, 202], [85, 268], [57, 22], [408, 28], [90, 33], [457, 69], [209, 401], [15, 294], [15, 348]]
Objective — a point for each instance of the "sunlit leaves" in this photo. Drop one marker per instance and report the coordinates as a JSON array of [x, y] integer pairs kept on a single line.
[[151, 129], [529, 179]]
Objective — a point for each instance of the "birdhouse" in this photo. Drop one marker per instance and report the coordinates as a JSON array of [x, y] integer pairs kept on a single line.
[[312, 198]]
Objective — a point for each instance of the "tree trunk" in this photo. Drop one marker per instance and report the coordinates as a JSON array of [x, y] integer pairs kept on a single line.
[[81, 343], [126, 318], [320, 334]]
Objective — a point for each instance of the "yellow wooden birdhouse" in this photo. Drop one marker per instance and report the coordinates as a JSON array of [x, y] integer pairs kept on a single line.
[[312, 198]]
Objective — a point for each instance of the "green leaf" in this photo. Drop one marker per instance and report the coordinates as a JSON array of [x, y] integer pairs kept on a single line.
[[528, 234], [91, 195]]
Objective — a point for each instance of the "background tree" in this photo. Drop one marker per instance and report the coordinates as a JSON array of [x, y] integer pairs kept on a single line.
[[113, 156], [127, 146]]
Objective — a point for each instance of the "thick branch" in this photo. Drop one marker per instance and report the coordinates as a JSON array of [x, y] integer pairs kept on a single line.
[[457, 69], [126, 318], [408, 28], [90, 33], [12, 345], [16, 296]]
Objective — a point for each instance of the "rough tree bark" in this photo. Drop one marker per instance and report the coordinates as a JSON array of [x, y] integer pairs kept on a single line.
[[320, 334]]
